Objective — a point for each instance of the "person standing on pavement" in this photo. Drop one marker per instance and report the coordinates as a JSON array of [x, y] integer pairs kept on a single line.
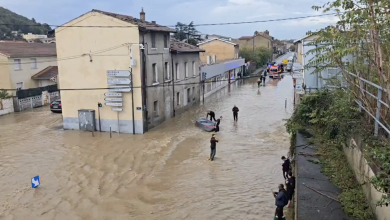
[[281, 201], [290, 186], [213, 147], [235, 113], [217, 124], [286, 167], [212, 115]]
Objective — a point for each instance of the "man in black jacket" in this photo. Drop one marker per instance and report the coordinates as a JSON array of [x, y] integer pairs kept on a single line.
[[286, 167], [235, 113], [212, 115], [290, 185], [217, 124], [213, 147]]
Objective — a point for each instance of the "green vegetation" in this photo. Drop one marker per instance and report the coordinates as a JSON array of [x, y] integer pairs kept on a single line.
[[20, 24], [4, 94], [331, 117], [187, 31], [260, 55]]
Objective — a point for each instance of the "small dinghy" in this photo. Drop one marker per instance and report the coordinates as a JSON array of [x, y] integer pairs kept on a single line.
[[205, 124]]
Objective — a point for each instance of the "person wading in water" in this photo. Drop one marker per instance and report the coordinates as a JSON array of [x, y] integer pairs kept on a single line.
[[217, 124], [212, 115], [235, 113], [259, 81], [213, 146]]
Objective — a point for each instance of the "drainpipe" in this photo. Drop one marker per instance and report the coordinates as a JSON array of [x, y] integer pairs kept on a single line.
[[173, 85], [143, 87]]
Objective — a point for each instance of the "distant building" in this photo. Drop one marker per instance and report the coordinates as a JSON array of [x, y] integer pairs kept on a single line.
[[42, 40], [259, 39], [217, 50], [24, 61], [165, 73]]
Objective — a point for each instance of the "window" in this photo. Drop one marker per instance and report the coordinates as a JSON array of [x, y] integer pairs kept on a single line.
[[165, 41], [193, 93], [153, 36], [17, 64], [186, 69], [178, 98], [155, 108], [34, 64], [19, 86], [194, 72], [177, 72], [188, 95], [167, 73], [155, 76]]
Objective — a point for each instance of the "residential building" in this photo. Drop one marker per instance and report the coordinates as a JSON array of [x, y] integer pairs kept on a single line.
[[144, 48], [312, 79], [20, 61], [216, 36], [217, 50], [42, 40], [46, 77], [184, 81], [259, 39], [31, 36]]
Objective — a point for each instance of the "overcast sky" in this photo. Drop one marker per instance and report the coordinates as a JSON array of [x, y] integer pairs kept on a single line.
[[169, 12]]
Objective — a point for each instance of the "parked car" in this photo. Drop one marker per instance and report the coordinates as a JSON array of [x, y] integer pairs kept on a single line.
[[56, 106], [289, 67]]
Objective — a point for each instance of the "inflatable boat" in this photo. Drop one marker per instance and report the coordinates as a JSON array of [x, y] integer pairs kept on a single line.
[[205, 124]]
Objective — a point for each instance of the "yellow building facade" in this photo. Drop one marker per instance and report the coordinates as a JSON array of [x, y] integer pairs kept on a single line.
[[223, 50], [85, 55]]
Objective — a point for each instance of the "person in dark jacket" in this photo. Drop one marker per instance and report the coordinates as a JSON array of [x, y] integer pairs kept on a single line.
[[286, 167], [235, 113], [212, 115], [259, 81], [290, 186], [217, 124], [264, 76], [213, 147], [281, 200]]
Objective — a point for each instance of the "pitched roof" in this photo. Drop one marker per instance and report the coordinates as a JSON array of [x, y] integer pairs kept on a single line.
[[28, 50], [144, 25], [219, 40], [245, 37], [47, 73], [181, 47], [258, 34]]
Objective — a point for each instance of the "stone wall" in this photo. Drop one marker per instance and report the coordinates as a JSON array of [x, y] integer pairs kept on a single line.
[[6, 106]]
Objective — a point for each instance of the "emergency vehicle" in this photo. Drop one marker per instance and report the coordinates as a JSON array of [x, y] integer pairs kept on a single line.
[[275, 70]]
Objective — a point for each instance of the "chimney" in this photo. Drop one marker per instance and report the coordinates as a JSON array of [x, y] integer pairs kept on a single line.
[[153, 22], [266, 32], [142, 15]]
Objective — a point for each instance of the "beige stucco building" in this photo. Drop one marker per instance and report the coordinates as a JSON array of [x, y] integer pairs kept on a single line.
[[257, 40], [88, 53], [20, 61], [219, 49]]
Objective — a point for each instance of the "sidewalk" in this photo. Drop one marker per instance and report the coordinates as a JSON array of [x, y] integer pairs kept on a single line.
[[310, 204]]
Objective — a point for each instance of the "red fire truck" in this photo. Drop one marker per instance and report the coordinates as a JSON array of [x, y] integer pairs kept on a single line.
[[275, 71]]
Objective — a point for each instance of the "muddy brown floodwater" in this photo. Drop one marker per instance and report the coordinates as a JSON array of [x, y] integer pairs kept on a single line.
[[161, 175]]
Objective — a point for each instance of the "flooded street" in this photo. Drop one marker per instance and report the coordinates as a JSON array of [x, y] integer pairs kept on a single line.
[[161, 175]]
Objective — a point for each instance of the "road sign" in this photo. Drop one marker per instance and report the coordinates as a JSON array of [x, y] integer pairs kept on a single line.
[[297, 75], [119, 89], [113, 73], [120, 81], [116, 104], [298, 87], [285, 61], [113, 94], [113, 99], [35, 182], [117, 109], [299, 81]]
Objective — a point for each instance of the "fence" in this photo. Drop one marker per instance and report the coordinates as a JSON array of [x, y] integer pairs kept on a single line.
[[6, 106], [35, 101]]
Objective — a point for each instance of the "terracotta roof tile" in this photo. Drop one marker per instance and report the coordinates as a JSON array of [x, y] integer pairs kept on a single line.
[[245, 37], [142, 24], [47, 73], [177, 46], [28, 50]]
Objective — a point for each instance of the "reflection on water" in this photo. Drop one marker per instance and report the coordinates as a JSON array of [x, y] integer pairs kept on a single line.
[[162, 175]]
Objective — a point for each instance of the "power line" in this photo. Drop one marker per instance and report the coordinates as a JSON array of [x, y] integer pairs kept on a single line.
[[197, 25], [167, 84]]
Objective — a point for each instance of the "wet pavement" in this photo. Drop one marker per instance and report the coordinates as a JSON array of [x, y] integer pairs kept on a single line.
[[163, 174]]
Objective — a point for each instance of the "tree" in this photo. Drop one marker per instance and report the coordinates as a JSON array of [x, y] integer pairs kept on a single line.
[[187, 32], [360, 44], [292, 48], [260, 55]]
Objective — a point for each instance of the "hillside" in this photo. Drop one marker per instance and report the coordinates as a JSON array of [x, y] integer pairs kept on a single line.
[[20, 24]]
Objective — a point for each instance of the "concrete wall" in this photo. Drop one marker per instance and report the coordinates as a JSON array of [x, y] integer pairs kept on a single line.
[[223, 50], [110, 51], [24, 75], [362, 172], [6, 106]]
